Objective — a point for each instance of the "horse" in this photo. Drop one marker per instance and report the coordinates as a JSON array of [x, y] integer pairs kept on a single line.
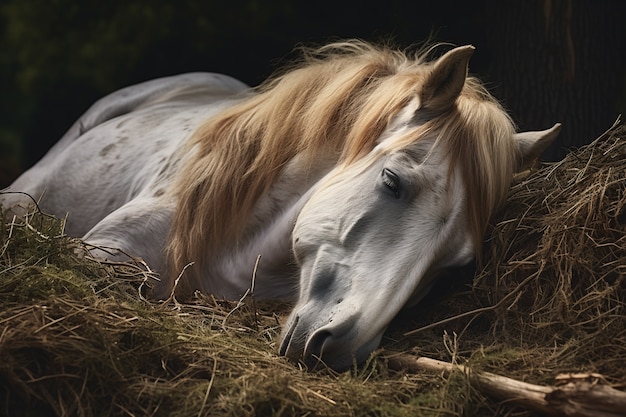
[[344, 184]]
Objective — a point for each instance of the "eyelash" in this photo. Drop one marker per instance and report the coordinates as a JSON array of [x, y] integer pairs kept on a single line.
[[391, 181]]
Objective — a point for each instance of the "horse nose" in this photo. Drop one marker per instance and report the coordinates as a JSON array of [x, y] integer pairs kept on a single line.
[[310, 349], [311, 342], [314, 350], [297, 346], [332, 343]]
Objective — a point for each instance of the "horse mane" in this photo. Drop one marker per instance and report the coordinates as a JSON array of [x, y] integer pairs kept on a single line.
[[481, 144], [335, 102]]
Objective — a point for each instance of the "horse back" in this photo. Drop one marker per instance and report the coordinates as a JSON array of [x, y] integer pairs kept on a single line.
[[122, 145], [200, 85]]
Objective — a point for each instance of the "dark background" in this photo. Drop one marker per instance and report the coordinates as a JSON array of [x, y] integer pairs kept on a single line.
[[546, 60]]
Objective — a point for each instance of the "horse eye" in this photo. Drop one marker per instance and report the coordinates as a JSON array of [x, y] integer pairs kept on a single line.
[[391, 181]]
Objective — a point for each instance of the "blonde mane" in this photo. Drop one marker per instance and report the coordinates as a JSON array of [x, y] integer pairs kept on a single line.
[[336, 102], [480, 140]]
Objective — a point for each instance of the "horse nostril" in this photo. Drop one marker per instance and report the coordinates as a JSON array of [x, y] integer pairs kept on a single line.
[[284, 346], [314, 350]]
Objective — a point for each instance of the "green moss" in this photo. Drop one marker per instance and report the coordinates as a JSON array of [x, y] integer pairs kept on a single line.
[[35, 283]]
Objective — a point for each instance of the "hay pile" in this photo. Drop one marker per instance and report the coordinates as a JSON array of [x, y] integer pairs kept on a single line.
[[79, 338], [557, 263]]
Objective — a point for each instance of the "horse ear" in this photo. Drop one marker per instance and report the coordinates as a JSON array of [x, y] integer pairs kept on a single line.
[[446, 79], [532, 144]]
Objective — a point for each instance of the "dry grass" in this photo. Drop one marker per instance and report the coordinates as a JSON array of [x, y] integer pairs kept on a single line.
[[79, 338], [557, 260]]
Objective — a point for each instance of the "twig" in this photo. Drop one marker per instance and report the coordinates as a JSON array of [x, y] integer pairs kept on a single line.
[[249, 292], [254, 271], [477, 311], [172, 296], [208, 388], [35, 203], [578, 395]]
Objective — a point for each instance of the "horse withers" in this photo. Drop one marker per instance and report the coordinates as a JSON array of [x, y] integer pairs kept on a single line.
[[357, 176]]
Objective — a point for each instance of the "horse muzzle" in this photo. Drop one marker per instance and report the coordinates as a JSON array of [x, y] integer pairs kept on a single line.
[[335, 342]]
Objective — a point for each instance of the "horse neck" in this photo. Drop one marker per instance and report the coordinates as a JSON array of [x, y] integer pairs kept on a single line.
[[268, 235]]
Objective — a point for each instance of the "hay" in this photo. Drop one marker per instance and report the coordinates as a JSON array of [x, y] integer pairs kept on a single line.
[[557, 260], [79, 338]]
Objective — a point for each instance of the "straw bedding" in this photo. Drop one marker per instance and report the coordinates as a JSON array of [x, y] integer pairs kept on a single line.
[[557, 260], [79, 338]]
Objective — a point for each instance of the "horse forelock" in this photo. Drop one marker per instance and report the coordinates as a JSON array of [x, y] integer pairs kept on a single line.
[[334, 104]]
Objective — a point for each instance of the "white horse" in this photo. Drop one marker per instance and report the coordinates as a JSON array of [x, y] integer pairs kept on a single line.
[[361, 169]]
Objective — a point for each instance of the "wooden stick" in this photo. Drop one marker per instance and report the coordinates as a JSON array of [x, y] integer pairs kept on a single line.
[[575, 395]]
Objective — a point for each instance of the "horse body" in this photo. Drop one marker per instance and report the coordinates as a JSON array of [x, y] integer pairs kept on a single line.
[[111, 169], [362, 171]]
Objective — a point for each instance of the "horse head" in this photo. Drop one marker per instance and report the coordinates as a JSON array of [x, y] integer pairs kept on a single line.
[[375, 233]]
